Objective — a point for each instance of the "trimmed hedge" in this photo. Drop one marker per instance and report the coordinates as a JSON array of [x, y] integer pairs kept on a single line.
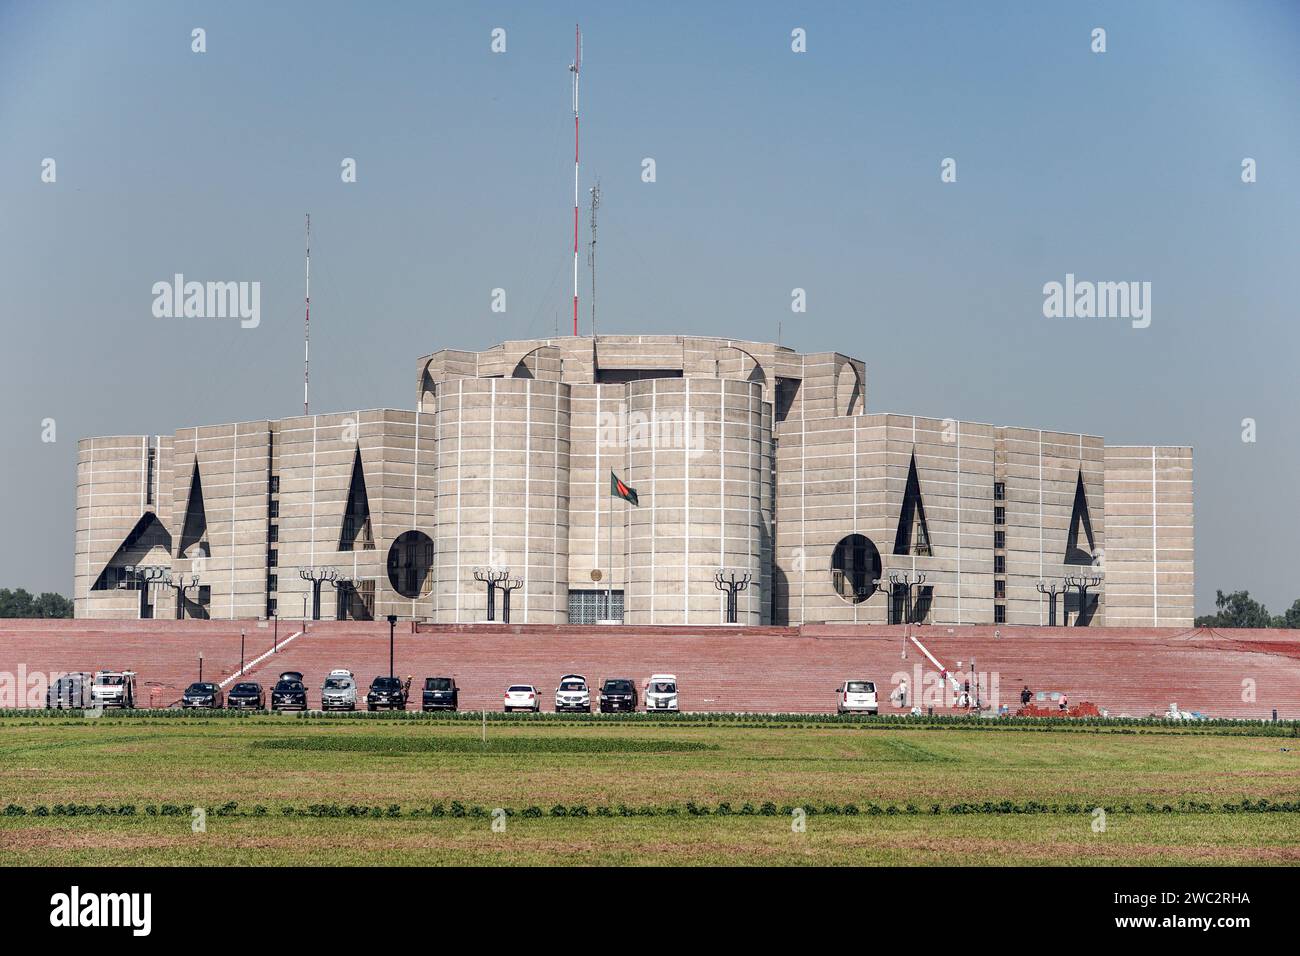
[[1123, 725], [457, 809]]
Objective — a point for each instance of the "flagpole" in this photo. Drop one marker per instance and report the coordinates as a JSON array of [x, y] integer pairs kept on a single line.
[[609, 582]]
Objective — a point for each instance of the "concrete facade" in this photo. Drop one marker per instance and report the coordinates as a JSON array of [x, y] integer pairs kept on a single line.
[[748, 457]]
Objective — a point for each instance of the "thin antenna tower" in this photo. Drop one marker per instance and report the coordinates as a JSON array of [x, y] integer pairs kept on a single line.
[[574, 67], [306, 328], [591, 255]]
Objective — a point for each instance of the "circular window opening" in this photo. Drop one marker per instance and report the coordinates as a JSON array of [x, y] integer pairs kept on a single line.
[[855, 564], [409, 561]]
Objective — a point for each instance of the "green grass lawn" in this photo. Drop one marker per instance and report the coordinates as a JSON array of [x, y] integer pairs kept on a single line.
[[644, 788]]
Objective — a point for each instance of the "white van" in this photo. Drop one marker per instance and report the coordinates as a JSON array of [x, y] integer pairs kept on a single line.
[[661, 693], [857, 697]]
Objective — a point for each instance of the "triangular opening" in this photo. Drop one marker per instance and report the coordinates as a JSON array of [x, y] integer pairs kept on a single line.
[[913, 535], [136, 549], [1073, 553], [357, 534], [195, 529]]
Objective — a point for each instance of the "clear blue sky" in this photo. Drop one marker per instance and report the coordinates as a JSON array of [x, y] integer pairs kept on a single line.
[[775, 170]]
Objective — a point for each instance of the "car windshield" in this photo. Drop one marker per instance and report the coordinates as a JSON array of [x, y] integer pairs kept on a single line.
[[337, 683], [386, 683], [201, 689], [287, 686], [861, 687], [112, 681], [437, 683], [618, 687], [572, 685], [246, 689], [663, 687], [520, 689]]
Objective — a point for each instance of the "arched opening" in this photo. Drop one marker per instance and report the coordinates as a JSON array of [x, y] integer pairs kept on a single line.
[[855, 566], [409, 562]]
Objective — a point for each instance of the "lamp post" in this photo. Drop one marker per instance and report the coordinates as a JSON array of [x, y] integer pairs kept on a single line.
[[317, 576], [1051, 593], [1082, 583], [506, 586], [493, 578], [241, 650], [731, 582], [341, 583], [392, 631], [908, 581], [200, 667]]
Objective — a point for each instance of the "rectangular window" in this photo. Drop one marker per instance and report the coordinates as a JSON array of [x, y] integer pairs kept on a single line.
[[273, 533], [273, 582], [999, 491], [274, 509], [999, 614], [589, 606], [999, 588], [999, 564], [148, 478], [999, 539], [271, 606], [272, 558], [275, 484], [999, 515]]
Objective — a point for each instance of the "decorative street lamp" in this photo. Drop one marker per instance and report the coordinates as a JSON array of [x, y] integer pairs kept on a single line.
[[317, 577], [506, 586], [158, 574], [494, 578], [732, 582], [1081, 583], [912, 584], [1051, 593]]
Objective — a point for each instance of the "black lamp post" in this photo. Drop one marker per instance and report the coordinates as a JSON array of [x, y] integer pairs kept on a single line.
[[241, 651], [392, 631], [732, 583], [200, 667], [317, 577], [1081, 584], [1051, 593], [906, 580], [494, 578], [506, 586]]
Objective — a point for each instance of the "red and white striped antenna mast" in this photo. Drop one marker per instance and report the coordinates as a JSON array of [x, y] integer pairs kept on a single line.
[[306, 327], [574, 68]]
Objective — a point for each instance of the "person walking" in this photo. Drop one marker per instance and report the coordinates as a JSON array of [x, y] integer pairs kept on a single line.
[[1026, 696]]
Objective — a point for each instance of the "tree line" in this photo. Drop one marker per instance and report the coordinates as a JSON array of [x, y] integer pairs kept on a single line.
[[22, 603], [1239, 609]]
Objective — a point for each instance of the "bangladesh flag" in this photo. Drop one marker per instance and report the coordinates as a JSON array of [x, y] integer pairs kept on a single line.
[[620, 490]]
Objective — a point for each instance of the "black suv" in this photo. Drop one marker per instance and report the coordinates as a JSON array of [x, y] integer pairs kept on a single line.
[[387, 692], [289, 695], [206, 696], [440, 693], [617, 693], [246, 696]]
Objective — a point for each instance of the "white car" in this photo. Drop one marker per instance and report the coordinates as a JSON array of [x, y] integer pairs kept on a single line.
[[522, 697], [661, 693], [857, 696], [339, 692], [573, 694]]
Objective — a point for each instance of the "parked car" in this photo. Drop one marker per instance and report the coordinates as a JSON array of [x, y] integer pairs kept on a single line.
[[71, 691], [440, 693], [113, 689], [246, 696], [573, 694], [388, 692], [202, 695], [522, 697], [857, 696], [617, 693], [661, 693], [289, 695], [339, 692]]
